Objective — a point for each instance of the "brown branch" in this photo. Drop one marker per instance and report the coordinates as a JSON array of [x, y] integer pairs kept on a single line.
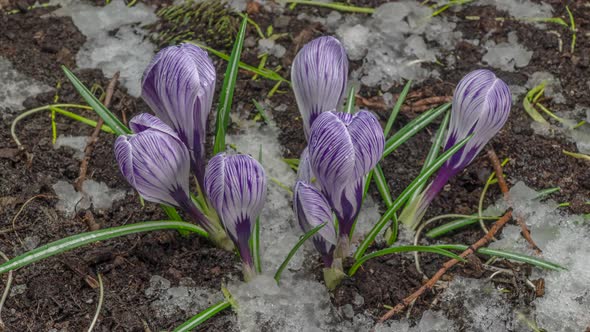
[[432, 281], [94, 137], [504, 188]]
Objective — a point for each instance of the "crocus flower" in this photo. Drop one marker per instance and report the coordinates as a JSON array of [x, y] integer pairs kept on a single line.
[[236, 187], [481, 105], [157, 164], [319, 75], [178, 86], [343, 148], [311, 210]]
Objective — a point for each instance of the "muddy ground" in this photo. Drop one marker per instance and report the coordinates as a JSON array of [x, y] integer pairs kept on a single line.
[[58, 294]]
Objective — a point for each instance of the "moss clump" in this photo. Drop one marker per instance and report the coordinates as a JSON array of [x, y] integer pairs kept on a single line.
[[211, 22]]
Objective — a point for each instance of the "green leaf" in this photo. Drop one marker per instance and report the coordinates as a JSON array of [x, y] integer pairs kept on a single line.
[[507, 255], [530, 98], [382, 186], [403, 197], [264, 72], [78, 240], [396, 250], [451, 226], [203, 316], [227, 91], [433, 153], [397, 108], [412, 128], [349, 106], [343, 7], [299, 243], [109, 118], [256, 246]]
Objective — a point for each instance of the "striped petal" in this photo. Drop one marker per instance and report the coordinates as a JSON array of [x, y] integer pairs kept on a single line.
[[154, 161], [178, 86], [344, 147], [311, 210], [319, 75], [236, 187], [481, 105], [346, 204]]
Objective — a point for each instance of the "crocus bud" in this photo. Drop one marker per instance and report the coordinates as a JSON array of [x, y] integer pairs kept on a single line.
[[319, 75], [343, 148], [311, 210], [157, 164], [481, 105], [236, 187], [178, 85]]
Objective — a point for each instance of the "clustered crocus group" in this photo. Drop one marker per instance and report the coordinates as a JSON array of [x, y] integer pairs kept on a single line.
[[342, 148], [163, 151]]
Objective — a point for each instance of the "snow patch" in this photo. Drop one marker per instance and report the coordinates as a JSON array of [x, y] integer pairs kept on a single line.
[[114, 38], [187, 297], [520, 8], [96, 194], [432, 321], [77, 143], [15, 88], [507, 56]]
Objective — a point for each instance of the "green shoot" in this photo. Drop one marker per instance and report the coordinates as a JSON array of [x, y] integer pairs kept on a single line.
[[444, 6], [293, 251], [293, 163], [507, 255], [576, 155], [573, 29], [343, 7], [531, 97], [400, 249], [349, 106], [412, 128], [491, 180], [203, 316], [264, 72], [227, 90], [404, 196], [252, 23], [396, 108], [109, 118], [78, 240], [261, 112]]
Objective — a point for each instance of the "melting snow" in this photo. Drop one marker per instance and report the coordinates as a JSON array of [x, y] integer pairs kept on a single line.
[[15, 88], [114, 39], [93, 193], [77, 143], [507, 56]]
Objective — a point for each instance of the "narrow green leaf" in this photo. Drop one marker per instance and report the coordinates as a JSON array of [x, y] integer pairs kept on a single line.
[[398, 106], [343, 7], [403, 197], [203, 316], [78, 240], [412, 128], [451, 226], [264, 72], [529, 99], [400, 249], [227, 91], [82, 119], [434, 150], [349, 106], [299, 243], [507, 255], [256, 246], [382, 186], [109, 118]]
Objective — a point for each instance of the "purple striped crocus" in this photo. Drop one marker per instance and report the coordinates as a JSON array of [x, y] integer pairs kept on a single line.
[[236, 187], [311, 210], [178, 85], [481, 106], [157, 164], [319, 75], [343, 148]]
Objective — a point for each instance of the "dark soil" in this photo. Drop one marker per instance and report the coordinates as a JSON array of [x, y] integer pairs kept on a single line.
[[57, 294]]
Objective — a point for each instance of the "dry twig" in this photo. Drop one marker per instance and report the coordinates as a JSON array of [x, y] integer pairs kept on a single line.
[[94, 137]]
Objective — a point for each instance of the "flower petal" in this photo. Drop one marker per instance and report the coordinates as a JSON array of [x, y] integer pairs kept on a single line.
[[178, 85], [346, 204], [481, 105], [156, 164], [312, 209], [146, 121], [331, 151], [368, 141], [236, 187], [319, 75]]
